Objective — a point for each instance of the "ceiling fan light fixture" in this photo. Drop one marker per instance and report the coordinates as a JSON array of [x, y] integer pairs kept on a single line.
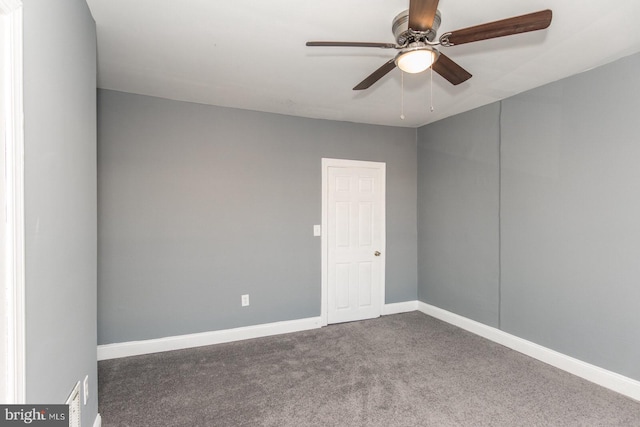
[[416, 59]]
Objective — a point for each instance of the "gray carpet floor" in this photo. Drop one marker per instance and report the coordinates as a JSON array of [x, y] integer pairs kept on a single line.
[[401, 370]]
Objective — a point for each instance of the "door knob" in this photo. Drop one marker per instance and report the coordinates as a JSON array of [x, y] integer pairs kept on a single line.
[[377, 253]]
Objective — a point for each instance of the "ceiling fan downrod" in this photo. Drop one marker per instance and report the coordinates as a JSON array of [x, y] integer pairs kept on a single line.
[[405, 36]]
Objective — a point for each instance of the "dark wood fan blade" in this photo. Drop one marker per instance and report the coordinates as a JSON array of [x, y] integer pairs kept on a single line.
[[376, 75], [450, 70], [421, 14], [353, 44], [505, 27]]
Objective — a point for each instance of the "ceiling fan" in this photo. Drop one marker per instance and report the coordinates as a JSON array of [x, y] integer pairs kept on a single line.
[[415, 31]]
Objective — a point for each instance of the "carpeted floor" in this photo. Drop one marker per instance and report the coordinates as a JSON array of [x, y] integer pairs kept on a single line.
[[401, 370]]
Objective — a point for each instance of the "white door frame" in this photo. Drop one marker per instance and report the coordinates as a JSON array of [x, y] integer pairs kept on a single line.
[[324, 294], [12, 291]]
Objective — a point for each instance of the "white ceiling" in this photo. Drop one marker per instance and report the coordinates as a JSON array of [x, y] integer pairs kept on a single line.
[[251, 54]]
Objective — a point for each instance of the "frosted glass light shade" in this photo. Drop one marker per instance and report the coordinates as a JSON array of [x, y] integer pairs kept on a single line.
[[416, 61]]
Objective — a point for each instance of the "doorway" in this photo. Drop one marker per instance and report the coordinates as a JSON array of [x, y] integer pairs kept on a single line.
[[353, 240]]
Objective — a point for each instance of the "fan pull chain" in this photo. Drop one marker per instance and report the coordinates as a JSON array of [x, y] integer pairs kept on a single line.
[[402, 95], [431, 92]]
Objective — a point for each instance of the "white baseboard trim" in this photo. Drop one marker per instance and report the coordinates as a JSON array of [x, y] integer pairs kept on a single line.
[[611, 380], [135, 348], [399, 307], [608, 379], [98, 421]]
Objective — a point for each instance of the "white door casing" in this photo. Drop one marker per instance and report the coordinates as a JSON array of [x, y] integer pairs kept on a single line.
[[12, 325], [353, 240]]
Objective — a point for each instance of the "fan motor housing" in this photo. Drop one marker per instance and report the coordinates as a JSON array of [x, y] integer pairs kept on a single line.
[[404, 35]]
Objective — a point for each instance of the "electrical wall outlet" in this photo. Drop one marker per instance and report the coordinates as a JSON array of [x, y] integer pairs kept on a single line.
[[245, 300], [85, 386]]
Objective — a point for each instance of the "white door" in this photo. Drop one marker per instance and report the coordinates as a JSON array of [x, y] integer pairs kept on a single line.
[[354, 239]]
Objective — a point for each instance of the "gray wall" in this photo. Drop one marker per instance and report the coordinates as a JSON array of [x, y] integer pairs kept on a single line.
[[200, 204], [60, 200], [569, 232], [458, 214]]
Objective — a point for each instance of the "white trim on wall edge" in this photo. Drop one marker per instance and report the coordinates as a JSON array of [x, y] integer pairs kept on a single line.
[[8, 6], [136, 348], [98, 421], [12, 87], [608, 379], [399, 307]]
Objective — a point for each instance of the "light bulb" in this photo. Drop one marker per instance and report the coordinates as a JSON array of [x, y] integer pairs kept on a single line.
[[416, 61]]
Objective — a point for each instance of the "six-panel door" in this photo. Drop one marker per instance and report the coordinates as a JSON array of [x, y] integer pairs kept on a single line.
[[355, 227]]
